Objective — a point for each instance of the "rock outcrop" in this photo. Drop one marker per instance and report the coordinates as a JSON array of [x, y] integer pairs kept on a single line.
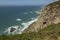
[[49, 15], [12, 29]]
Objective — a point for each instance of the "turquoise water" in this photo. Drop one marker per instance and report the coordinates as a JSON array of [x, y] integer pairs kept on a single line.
[[10, 15]]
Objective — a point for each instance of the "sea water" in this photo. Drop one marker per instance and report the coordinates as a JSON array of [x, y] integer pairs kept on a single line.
[[18, 17]]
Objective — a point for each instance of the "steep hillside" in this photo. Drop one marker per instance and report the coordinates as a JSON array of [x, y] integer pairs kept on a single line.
[[49, 15]]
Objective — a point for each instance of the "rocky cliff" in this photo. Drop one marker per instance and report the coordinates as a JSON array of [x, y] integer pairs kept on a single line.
[[48, 16]]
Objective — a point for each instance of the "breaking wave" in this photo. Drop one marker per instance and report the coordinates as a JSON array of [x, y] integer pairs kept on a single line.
[[37, 12], [18, 29], [25, 13], [30, 12], [18, 19]]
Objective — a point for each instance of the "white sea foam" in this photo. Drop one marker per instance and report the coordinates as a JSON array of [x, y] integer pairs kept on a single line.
[[8, 30], [18, 19], [25, 13], [30, 12], [27, 24], [37, 12], [19, 29], [32, 18]]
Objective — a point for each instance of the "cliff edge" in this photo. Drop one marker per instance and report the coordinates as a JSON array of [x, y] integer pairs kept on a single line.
[[48, 16]]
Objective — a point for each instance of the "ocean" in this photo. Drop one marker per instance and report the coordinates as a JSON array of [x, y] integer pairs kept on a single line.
[[18, 17]]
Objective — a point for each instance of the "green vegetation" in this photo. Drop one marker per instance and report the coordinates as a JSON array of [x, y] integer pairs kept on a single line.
[[51, 32]]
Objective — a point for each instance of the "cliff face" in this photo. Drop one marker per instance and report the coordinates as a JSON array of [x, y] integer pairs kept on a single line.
[[49, 15]]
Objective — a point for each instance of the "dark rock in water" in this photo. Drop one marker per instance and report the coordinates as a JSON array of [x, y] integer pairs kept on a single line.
[[12, 29]]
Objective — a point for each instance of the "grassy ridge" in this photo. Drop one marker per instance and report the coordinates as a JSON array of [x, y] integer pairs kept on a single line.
[[51, 32]]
